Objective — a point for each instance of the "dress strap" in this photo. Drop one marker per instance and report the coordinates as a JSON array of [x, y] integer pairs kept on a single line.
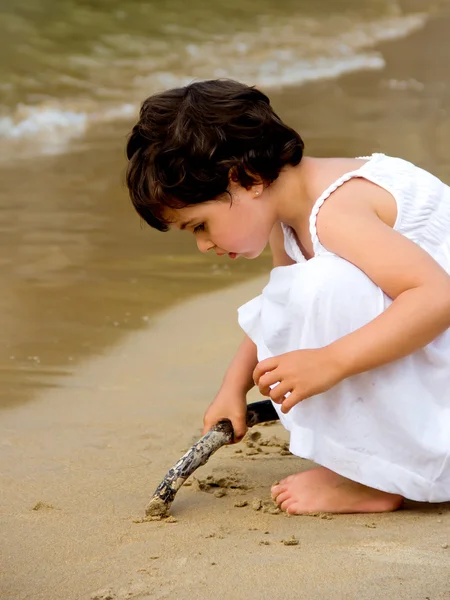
[[317, 246], [290, 245]]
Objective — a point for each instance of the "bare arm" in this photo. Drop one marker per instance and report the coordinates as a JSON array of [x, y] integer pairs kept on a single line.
[[239, 374], [231, 402], [348, 225]]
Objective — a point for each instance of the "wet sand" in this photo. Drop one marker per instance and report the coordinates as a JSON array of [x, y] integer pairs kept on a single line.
[[80, 462], [79, 271], [78, 474]]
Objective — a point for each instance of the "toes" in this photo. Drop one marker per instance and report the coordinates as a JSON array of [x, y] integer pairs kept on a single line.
[[281, 486], [287, 493], [293, 509], [283, 497], [276, 490], [286, 480], [288, 504]]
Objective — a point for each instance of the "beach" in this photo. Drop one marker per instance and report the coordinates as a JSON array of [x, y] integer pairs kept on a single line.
[[90, 426], [78, 474]]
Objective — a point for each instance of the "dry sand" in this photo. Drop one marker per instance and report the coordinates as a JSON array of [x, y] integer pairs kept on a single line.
[[80, 463]]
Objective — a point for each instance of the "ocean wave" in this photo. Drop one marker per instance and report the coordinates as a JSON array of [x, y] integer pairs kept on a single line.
[[33, 120], [52, 125]]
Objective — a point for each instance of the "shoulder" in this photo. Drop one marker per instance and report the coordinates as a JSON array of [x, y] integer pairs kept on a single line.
[[321, 173], [357, 195]]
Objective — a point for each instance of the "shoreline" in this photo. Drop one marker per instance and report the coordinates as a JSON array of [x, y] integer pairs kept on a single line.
[[95, 291], [57, 123]]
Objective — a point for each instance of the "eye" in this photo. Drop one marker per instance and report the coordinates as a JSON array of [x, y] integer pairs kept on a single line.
[[200, 227]]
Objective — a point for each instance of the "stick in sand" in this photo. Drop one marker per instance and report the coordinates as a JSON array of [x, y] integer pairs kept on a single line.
[[220, 435]]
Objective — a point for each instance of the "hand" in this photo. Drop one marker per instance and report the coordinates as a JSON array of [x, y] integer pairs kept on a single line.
[[228, 404], [303, 373]]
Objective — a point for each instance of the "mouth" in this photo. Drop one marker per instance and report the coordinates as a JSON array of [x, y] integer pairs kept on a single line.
[[232, 255]]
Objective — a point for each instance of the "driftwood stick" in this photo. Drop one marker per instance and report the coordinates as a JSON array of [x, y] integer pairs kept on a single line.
[[220, 435]]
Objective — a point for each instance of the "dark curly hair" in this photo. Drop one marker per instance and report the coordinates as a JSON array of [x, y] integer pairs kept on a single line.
[[189, 140]]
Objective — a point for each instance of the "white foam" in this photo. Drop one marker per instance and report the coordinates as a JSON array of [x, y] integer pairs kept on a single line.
[[50, 130], [320, 69], [32, 120], [274, 55]]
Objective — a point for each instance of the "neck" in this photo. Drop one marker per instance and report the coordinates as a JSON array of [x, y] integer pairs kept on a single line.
[[292, 204]]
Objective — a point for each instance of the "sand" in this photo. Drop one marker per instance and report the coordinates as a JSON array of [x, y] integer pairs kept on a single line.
[[80, 463]]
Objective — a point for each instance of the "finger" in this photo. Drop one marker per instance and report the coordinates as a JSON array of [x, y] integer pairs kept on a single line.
[[291, 401], [268, 381], [207, 428], [278, 393], [262, 367], [209, 424], [239, 429]]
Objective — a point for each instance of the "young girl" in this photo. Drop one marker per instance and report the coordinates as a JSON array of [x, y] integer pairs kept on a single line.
[[352, 330]]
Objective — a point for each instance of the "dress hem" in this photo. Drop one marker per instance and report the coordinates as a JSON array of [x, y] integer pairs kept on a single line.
[[365, 469]]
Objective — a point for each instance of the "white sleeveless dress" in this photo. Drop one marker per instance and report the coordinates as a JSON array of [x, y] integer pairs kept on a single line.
[[388, 428]]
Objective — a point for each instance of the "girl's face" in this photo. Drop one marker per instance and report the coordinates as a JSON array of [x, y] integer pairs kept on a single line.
[[237, 227]]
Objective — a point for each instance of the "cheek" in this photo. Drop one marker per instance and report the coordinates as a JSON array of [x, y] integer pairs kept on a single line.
[[242, 232], [239, 230]]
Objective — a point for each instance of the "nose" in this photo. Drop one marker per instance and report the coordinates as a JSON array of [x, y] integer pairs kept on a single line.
[[204, 245]]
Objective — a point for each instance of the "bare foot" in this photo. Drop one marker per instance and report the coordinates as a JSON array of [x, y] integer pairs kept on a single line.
[[322, 490]]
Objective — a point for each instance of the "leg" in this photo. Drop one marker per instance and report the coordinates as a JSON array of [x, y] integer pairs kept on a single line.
[[322, 490]]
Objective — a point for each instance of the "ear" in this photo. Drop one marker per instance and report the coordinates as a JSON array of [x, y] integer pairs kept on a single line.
[[257, 190]]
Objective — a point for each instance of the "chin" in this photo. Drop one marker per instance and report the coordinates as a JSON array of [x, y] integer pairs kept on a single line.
[[252, 255]]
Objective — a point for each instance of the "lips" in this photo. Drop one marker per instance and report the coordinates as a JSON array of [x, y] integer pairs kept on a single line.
[[232, 255]]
